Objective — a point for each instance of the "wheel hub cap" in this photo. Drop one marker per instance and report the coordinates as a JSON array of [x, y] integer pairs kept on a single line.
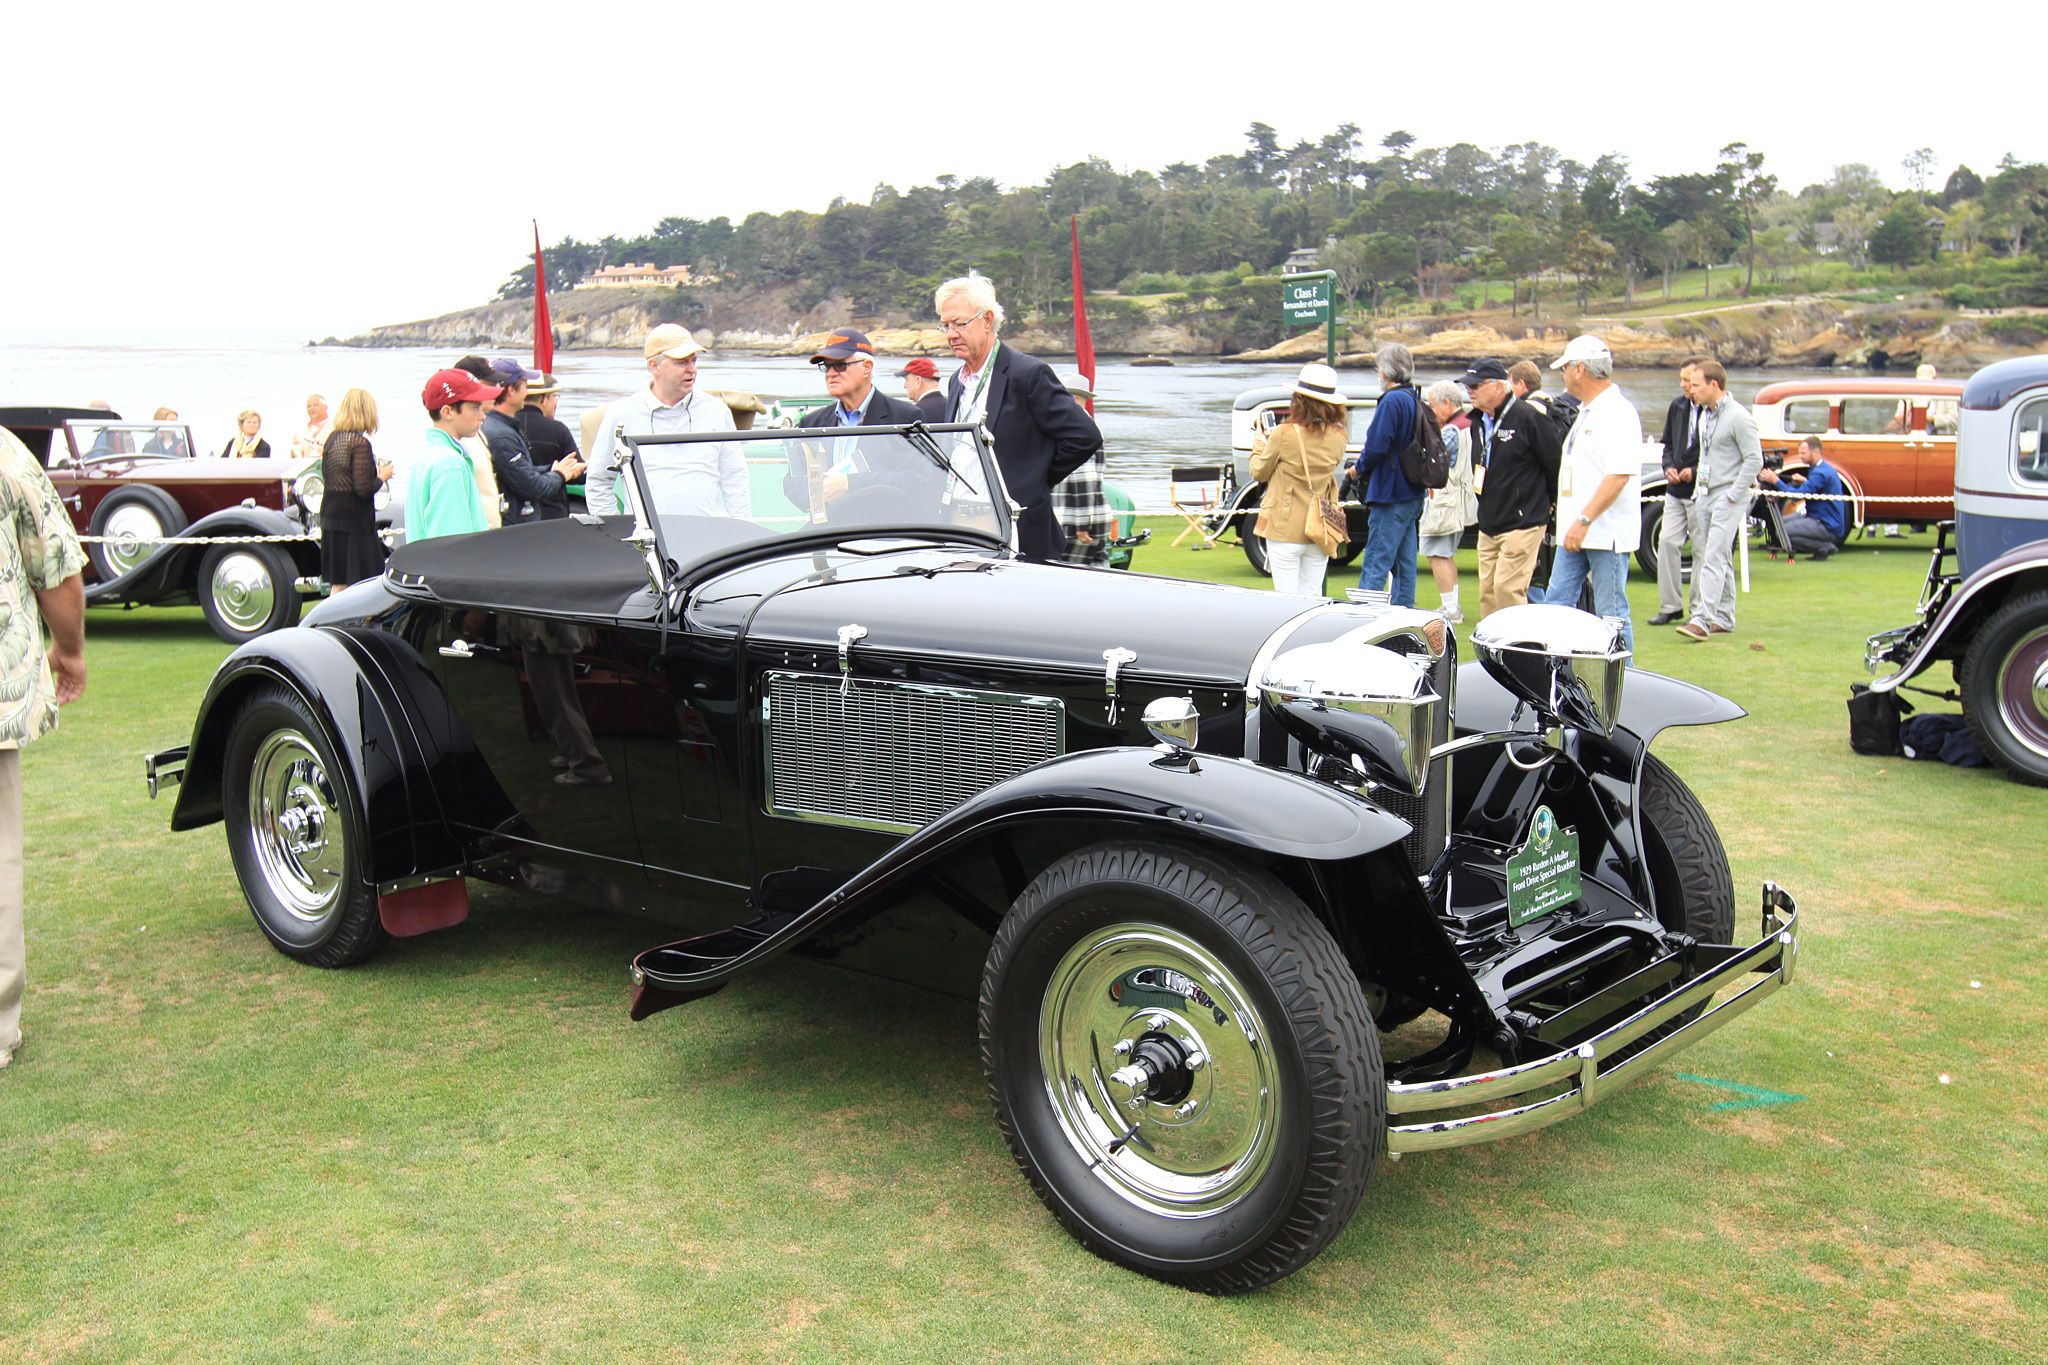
[[131, 531], [297, 827], [243, 592], [1159, 1069]]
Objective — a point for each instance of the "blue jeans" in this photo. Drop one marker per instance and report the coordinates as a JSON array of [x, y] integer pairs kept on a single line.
[[1608, 570], [1391, 545]]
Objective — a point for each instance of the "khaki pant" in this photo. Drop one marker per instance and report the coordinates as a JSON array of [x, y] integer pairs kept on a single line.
[[13, 958], [1506, 563]]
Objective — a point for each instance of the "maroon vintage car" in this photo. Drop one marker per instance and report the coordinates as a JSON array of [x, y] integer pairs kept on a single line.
[[174, 525]]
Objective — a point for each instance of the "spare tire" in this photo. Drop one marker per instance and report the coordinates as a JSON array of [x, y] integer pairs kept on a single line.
[[133, 518]]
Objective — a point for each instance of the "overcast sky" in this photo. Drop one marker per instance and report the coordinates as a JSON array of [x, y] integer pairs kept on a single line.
[[323, 169]]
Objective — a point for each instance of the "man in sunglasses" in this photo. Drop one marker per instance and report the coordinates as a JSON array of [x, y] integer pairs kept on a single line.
[[847, 360]]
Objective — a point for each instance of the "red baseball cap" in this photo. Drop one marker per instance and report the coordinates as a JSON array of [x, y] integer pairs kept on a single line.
[[449, 387], [922, 367]]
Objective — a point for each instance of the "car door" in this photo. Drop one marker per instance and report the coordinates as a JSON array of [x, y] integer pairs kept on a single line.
[[539, 697]]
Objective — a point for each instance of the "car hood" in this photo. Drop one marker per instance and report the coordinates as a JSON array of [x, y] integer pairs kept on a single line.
[[1040, 615]]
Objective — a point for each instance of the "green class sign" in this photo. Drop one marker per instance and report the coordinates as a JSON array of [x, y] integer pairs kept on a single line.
[[1305, 300]]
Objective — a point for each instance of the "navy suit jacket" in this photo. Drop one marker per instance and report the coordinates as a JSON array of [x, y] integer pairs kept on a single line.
[[883, 411], [1041, 435]]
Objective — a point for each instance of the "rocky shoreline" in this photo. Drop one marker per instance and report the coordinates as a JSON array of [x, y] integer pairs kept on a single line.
[[1804, 333]]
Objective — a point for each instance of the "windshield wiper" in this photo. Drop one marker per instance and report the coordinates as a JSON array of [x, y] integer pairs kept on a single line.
[[921, 439]]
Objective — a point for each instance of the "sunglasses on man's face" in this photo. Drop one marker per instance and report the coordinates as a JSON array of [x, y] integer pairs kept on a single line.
[[834, 366]]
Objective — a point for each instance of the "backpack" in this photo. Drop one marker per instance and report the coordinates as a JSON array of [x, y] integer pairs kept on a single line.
[[1425, 463]]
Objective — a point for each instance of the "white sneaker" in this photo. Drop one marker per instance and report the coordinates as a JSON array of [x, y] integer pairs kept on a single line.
[[1452, 615]]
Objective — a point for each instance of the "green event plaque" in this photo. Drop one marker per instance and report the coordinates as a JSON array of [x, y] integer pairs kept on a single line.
[[1543, 874]]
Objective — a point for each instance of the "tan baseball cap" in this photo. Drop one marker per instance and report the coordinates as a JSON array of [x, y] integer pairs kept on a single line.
[[672, 341]]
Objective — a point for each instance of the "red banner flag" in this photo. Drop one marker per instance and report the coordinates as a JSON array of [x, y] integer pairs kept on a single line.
[[543, 330], [1084, 345]]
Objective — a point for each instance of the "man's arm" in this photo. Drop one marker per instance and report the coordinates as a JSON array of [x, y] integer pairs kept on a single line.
[[1072, 431], [1744, 432], [63, 609], [1603, 498]]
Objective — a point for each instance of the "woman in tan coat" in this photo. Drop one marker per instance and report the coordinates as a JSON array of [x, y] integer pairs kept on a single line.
[[1298, 462]]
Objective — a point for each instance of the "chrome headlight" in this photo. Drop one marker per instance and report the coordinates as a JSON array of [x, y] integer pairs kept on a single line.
[[309, 488], [1566, 663], [1367, 706]]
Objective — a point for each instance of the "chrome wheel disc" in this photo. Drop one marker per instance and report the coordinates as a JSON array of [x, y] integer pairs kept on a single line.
[[130, 530], [297, 827], [243, 591], [2023, 691], [1160, 1072]]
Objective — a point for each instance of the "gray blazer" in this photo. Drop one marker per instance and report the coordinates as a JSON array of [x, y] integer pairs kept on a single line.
[[1730, 454]]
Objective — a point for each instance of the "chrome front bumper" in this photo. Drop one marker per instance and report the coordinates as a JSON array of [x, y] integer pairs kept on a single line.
[[1586, 1073]]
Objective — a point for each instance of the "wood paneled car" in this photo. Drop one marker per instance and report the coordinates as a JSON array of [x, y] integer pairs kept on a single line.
[[1193, 846], [133, 484]]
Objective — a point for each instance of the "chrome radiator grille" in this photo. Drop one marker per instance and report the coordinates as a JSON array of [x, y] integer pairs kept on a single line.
[[896, 756]]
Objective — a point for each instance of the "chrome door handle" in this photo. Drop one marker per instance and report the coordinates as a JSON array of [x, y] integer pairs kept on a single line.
[[463, 649]]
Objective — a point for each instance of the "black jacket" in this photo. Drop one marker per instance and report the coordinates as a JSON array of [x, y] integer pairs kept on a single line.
[[546, 442], [1681, 445], [1521, 467], [524, 486], [884, 468], [932, 407], [1041, 434]]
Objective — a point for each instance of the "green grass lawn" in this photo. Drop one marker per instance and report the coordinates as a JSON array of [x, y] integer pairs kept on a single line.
[[464, 1152]]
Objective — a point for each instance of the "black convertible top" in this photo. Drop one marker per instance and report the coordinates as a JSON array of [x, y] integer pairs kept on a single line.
[[565, 567], [558, 568]]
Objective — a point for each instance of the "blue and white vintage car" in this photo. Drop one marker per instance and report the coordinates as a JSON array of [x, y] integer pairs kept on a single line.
[[1987, 616]]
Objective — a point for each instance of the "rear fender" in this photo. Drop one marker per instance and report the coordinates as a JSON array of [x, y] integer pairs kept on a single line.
[[343, 681]]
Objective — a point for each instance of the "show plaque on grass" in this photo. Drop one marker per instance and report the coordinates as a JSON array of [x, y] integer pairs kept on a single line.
[[1543, 873]]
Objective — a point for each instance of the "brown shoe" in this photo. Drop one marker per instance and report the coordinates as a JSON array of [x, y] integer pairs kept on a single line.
[[1720, 630], [1692, 630]]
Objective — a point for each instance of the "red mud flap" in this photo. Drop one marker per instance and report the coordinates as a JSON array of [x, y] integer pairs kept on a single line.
[[424, 909]]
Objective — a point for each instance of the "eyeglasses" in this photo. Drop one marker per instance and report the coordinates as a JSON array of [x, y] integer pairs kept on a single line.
[[836, 366], [960, 326]]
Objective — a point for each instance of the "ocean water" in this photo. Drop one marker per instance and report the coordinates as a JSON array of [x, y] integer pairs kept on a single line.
[[1152, 418]]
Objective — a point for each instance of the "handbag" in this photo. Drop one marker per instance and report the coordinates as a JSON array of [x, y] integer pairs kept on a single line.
[[1327, 527]]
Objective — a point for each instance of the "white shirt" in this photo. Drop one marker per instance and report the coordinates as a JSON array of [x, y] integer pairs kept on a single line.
[[707, 479], [1606, 439]]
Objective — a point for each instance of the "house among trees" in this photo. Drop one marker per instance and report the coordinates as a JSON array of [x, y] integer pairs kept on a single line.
[[638, 277], [1301, 260]]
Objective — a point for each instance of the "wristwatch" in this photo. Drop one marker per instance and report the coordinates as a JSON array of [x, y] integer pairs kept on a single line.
[[1585, 520]]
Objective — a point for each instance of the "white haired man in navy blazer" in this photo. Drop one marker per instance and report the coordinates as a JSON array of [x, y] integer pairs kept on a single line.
[[1041, 433]]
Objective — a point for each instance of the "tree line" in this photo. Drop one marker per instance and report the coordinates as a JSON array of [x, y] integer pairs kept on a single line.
[[1398, 224]]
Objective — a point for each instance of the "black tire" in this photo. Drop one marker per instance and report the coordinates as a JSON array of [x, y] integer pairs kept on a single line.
[[2005, 688], [1253, 543], [1246, 1163], [1687, 864], [1646, 552], [295, 834], [247, 590], [137, 510]]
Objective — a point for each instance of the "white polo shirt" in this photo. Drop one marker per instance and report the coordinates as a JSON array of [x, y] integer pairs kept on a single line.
[[1607, 439]]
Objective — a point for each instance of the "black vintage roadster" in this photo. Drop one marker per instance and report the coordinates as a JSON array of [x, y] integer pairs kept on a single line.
[[1199, 846]]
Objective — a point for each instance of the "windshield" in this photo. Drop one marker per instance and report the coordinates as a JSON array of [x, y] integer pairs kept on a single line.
[[708, 492], [105, 440]]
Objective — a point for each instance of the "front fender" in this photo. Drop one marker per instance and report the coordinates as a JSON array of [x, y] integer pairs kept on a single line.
[[1650, 702], [173, 570], [1214, 800], [353, 701]]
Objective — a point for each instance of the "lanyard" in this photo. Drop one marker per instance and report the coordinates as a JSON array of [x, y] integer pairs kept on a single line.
[[968, 400]]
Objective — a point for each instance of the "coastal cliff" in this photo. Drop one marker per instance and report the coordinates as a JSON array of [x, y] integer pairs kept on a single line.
[[1806, 332]]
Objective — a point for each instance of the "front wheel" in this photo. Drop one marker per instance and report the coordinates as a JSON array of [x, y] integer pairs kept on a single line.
[[1183, 1064], [295, 836], [248, 590], [2005, 688]]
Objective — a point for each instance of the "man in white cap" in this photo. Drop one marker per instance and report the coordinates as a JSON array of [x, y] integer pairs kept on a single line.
[[702, 479], [1599, 486]]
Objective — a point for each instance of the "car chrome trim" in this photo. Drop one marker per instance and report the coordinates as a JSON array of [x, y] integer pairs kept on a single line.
[[164, 770], [1269, 647], [837, 749], [1587, 1073], [417, 880]]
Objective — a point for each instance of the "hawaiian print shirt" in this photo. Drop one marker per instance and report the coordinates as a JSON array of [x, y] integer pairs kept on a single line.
[[39, 552]]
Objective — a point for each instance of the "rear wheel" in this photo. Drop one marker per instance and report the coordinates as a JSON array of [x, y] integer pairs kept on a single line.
[[1183, 1065], [134, 519], [295, 836], [1688, 866], [248, 590], [2005, 688]]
